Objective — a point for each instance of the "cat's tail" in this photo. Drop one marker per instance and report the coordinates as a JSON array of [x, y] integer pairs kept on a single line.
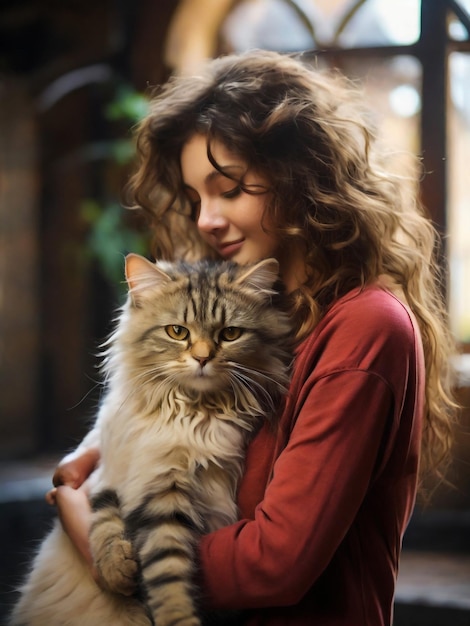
[[166, 528]]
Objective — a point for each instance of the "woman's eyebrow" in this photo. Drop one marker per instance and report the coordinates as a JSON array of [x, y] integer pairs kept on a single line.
[[224, 172]]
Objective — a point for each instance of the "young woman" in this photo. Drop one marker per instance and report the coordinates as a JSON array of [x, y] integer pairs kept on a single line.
[[261, 156]]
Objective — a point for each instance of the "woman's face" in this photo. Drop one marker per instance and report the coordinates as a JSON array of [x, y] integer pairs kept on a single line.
[[231, 220], [228, 218]]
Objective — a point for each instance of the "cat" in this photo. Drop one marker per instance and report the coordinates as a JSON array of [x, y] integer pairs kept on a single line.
[[199, 359]]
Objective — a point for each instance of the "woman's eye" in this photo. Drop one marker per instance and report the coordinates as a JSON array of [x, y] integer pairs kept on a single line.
[[195, 210], [180, 333], [231, 333], [232, 193], [194, 203]]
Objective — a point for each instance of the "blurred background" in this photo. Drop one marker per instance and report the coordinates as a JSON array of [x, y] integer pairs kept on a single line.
[[74, 79]]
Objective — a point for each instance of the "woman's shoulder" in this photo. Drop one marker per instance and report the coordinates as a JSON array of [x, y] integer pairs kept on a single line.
[[369, 328], [372, 309]]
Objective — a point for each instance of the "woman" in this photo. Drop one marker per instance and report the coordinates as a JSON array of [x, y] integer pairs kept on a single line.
[[260, 156]]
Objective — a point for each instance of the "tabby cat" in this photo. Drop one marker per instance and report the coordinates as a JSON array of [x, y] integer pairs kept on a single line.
[[200, 357]]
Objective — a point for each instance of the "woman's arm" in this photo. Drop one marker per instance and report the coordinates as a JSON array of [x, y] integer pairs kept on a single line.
[[70, 492], [318, 485], [74, 511], [70, 496], [356, 401]]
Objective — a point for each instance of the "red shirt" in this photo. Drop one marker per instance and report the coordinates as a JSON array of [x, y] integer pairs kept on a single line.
[[326, 499]]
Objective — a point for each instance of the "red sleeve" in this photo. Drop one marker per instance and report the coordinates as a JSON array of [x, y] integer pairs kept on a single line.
[[345, 406]]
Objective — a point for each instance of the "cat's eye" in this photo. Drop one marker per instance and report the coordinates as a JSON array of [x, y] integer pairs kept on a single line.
[[231, 333], [180, 333]]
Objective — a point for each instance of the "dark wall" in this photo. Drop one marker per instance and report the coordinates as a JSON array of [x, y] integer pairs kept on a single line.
[[67, 60]]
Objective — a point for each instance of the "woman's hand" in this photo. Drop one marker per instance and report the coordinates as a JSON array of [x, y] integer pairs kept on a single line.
[[70, 495], [75, 468]]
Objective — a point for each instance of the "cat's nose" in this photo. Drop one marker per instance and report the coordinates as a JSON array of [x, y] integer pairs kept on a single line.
[[202, 360], [201, 351]]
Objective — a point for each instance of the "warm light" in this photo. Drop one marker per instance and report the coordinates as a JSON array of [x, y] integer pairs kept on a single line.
[[399, 19], [405, 101]]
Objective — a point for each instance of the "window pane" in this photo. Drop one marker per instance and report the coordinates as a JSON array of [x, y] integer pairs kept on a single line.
[[459, 194], [456, 29], [380, 22], [266, 24], [276, 25]]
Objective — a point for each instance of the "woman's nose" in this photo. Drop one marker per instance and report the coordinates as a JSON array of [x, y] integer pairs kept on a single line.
[[210, 217]]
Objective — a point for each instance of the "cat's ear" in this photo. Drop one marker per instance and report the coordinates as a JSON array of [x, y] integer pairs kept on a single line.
[[261, 276], [142, 276]]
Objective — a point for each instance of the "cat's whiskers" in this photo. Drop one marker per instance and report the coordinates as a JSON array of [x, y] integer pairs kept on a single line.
[[258, 373], [150, 378], [254, 387]]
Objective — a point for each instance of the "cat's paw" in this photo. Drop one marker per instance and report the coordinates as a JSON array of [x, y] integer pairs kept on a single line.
[[117, 568]]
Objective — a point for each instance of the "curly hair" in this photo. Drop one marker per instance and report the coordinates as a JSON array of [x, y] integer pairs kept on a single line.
[[332, 193]]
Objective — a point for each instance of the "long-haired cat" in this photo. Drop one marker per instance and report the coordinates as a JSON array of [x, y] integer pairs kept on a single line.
[[200, 357]]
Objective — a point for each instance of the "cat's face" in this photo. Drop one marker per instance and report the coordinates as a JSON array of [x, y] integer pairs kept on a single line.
[[201, 356], [203, 330]]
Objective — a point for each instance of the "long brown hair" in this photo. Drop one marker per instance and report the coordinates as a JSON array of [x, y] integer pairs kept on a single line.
[[332, 193]]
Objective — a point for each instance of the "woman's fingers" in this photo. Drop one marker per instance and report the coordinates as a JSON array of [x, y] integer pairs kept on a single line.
[[75, 468], [51, 497]]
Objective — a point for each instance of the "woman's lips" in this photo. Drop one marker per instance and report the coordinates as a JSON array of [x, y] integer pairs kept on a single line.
[[227, 250]]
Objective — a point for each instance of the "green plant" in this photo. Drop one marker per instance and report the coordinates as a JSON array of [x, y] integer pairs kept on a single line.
[[110, 234]]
